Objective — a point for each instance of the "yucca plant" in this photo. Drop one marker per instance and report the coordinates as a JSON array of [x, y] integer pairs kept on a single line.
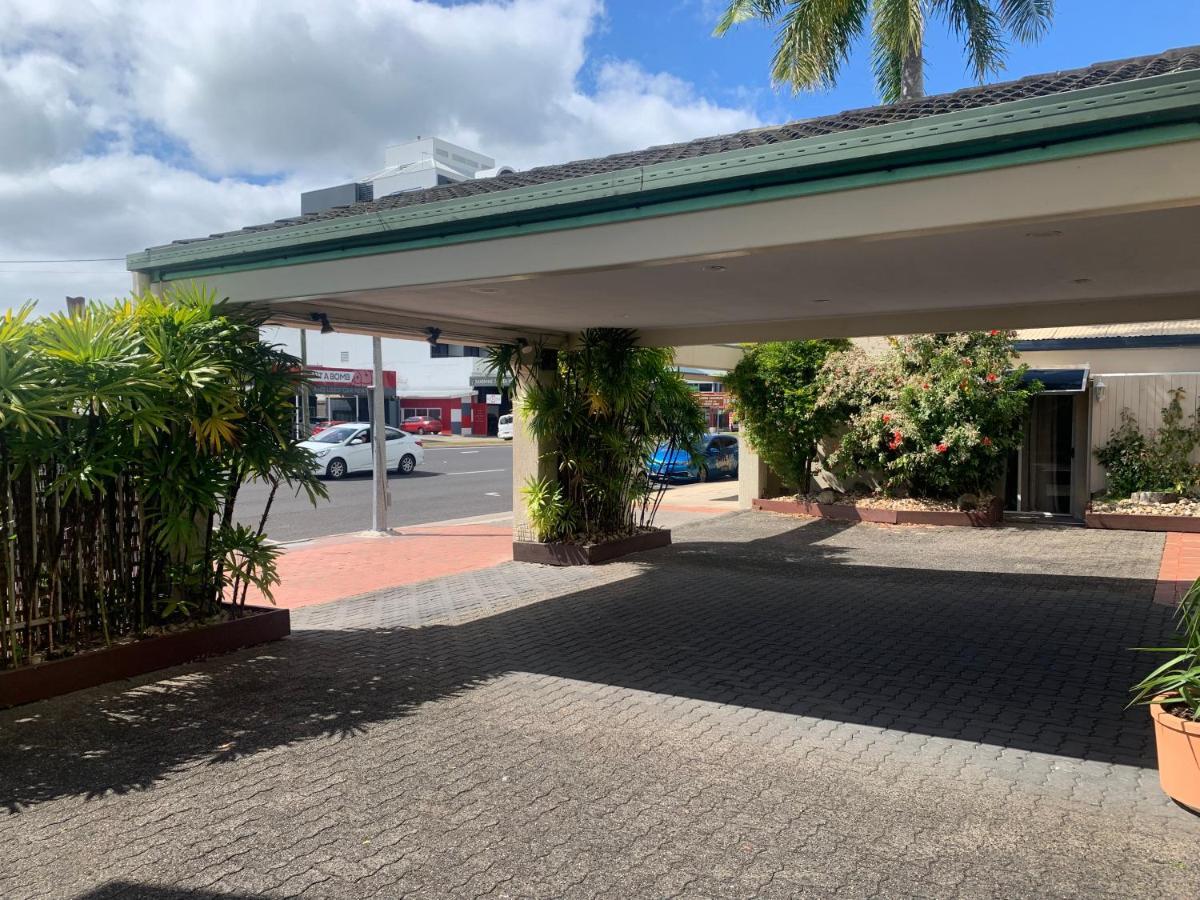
[[606, 404], [1177, 679]]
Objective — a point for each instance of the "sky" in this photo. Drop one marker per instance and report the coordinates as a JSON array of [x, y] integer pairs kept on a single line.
[[130, 123]]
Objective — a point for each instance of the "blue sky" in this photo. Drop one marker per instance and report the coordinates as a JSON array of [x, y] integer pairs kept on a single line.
[[218, 114], [675, 36]]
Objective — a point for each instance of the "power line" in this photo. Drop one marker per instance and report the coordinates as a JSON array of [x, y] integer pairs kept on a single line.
[[10, 262]]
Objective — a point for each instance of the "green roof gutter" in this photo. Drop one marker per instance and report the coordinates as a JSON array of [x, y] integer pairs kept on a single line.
[[1132, 114]]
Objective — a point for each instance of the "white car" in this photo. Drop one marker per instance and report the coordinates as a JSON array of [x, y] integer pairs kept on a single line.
[[342, 449], [504, 428]]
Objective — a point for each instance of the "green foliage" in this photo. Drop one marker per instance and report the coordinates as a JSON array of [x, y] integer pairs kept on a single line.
[[816, 37], [125, 434], [776, 390], [1179, 676], [1158, 462], [936, 415], [602, 405]]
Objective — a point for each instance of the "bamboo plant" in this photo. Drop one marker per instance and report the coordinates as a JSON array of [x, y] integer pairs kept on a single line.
[[126, 432]]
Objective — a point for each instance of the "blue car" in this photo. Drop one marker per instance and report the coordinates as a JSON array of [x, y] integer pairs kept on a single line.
[[718, 457]]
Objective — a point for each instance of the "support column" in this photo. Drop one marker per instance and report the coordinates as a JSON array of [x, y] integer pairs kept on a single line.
[[532, 459], [378, 441], [756, 480]]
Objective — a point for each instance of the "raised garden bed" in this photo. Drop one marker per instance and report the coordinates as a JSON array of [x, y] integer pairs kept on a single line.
[[1141, 522], [564, 554], [844, 512], [257, 625]]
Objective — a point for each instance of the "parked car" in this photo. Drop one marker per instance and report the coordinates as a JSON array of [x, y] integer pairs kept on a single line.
[[342, 449], [718, 458], [504, 428], [422, 425]]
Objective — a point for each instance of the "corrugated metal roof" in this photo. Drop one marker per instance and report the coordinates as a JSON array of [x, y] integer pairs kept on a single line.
[[1135, 329]]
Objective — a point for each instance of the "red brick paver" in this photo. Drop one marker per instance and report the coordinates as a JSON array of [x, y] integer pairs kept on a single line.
[[1180, 566], [348, 565]]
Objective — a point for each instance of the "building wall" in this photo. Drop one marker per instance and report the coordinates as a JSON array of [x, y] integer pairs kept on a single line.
[[1162, 359]]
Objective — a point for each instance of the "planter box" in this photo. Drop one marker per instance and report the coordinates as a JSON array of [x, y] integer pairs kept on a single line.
[[1127, 522], [258, 625], [562, 554], [839, 512]]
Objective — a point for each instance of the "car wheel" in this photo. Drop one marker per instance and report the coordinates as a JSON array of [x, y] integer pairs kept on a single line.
[[407, 463], [702, 474], [420, 431], [336, 469]]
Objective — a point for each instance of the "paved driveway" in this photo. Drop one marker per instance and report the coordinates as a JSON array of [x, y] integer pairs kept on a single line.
[[769, 708]]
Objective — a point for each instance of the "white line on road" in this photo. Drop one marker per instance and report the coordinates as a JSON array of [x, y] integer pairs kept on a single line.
[[464, 452], [478, 472], [491, 493]]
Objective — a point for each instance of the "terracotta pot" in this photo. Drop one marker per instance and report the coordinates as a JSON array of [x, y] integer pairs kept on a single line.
[[1178, 743]]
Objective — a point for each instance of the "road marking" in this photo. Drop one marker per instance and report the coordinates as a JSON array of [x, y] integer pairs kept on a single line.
[[491, 494], [464, 452], [478, 472]]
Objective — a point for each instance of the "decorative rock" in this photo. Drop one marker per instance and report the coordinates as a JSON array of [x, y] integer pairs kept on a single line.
[[827, 496], [967, 502]]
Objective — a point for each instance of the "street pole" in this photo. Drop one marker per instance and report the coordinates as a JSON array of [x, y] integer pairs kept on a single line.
[[379, 438], [305, 424]]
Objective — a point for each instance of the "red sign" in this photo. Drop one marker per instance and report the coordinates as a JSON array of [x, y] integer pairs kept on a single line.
[[323, 376], [713, 401]]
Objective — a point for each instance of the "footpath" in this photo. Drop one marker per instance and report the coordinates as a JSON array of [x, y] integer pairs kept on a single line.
[[347, 565]]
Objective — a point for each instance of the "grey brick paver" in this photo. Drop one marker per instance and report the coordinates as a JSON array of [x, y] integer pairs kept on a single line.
[[766, 709]]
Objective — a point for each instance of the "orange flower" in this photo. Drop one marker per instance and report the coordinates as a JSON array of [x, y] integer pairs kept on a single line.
[[993, 377], [941, 448]]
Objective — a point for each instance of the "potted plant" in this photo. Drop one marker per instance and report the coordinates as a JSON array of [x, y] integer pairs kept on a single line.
[[1172, 691]]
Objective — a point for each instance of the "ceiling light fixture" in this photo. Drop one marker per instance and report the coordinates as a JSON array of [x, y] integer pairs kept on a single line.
[[485, 290], [432, 334], [714, 268], [323, 318], [821, 299], [1043, 234]]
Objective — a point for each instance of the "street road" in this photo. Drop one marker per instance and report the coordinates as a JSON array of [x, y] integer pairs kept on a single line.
[[453, 483]]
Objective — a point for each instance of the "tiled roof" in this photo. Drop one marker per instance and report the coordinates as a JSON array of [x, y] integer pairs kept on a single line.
[[1034, 86]]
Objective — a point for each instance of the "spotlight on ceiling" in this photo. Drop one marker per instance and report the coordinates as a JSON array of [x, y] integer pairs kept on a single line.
[[432, 334], [323, 318], [715, 267]]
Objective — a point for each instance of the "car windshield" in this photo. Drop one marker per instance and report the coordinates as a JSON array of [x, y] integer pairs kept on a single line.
[[333, 435], [662, 449]]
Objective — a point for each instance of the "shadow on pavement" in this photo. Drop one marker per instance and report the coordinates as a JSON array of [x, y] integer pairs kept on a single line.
[[786, 623]]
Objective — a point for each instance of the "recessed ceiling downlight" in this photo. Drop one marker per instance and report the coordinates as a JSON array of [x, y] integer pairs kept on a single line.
[[714, 267], [1051, 233]]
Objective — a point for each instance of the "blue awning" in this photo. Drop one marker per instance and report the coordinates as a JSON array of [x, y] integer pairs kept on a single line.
[[1058, 381]]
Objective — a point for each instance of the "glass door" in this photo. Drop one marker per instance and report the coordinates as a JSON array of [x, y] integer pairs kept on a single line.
[[1051, 453]]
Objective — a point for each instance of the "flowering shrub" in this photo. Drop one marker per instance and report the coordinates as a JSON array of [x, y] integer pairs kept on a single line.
[[936, 415]]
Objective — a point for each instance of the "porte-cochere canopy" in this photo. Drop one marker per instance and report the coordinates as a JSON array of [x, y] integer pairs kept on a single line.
[[1072, 197]]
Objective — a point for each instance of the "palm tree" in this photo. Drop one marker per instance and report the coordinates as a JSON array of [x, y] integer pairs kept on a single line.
[[816, 36]]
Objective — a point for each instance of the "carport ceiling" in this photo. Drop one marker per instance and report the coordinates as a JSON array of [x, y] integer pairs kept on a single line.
[[1070, 207]]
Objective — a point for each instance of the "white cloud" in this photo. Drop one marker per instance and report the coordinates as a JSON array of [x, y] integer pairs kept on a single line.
[[132, 123]]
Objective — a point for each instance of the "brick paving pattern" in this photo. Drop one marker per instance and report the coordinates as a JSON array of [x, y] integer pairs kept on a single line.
[[771, 708]]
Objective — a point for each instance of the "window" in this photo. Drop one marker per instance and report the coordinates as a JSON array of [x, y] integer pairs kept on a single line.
[[439, 351], [707, 387], [394, 435], [415, 412], [472, 351]]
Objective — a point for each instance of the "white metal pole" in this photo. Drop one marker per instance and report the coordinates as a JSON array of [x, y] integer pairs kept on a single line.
[[305, 424], [379, 438]]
